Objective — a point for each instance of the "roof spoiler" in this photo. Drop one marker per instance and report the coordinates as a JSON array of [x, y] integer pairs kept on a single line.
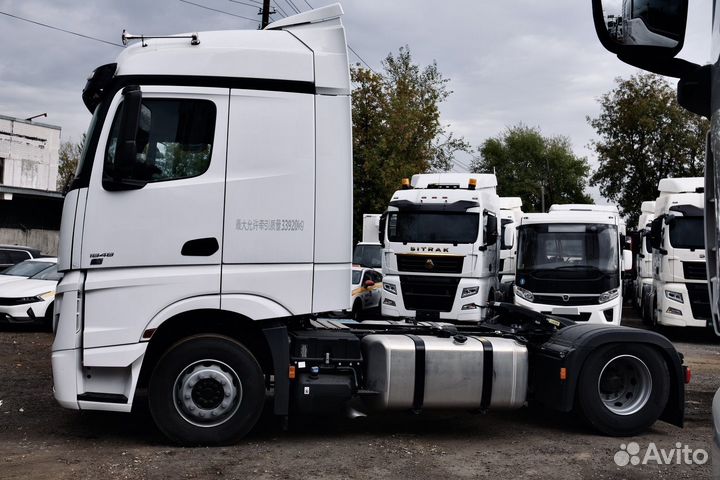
[[318, 15]]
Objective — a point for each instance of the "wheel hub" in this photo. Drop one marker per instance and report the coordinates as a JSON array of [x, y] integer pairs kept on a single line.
[[625, 385], [207, 393]]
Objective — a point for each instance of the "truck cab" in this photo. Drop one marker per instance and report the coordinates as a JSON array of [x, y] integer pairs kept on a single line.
[[441, 247], [681, 297], [510, 215], [643, 283], [570, 264]]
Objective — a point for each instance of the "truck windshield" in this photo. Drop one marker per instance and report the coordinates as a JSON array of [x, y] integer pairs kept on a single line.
[[687, 232], [578, 250], [433, 227], [368, 255]]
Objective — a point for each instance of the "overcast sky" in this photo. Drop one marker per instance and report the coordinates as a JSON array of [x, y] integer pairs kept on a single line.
[[509, 61]]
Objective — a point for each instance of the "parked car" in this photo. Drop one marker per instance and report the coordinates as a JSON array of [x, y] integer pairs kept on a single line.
[[30, 300], [366, 290], [14, 254], [26, 269]]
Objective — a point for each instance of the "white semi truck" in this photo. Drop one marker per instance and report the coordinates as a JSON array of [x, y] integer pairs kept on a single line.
[[441, 247], [510, 214], [680, 289], [570, 263], [368, 252], [643, 283], [187, 277]]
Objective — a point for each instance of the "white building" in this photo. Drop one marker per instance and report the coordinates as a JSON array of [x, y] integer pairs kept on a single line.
[[28, 154]]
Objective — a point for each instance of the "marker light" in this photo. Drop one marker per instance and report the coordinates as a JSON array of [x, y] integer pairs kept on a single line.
[[472, 183], [563, 373], [405, 183]]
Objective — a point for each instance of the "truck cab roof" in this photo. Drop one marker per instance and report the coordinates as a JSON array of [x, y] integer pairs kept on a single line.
[[570, 217]]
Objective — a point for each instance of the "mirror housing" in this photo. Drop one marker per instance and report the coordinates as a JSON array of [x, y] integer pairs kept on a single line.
[[381, 228], [126, 150], [655, 232], [508, 238], [492, 230], [644, 33], [627, 260]]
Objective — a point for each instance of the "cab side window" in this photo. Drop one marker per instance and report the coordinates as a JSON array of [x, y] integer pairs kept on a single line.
[[174, 140]]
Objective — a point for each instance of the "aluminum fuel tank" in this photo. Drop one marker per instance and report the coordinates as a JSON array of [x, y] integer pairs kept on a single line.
[[452, 372]]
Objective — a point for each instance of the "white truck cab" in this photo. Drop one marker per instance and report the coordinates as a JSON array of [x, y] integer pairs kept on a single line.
[[441, 247], [510, 214], [570, 264], [681, 297], [643, 284]]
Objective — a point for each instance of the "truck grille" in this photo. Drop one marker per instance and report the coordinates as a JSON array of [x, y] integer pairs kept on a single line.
[[429, 293], [430, 263], [572, 299], [699, 300], [694, 270]]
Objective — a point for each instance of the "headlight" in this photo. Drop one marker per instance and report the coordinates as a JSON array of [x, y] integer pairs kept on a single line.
[[675, 296], [524, 294], [389, 302], [609, 295], [468, 291], [390, 288], [469, 306]]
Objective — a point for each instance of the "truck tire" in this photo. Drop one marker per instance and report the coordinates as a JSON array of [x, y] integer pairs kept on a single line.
[[206, 390], [623, 389]]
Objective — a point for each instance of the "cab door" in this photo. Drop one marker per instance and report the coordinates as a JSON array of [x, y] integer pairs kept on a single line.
[[153, 229]]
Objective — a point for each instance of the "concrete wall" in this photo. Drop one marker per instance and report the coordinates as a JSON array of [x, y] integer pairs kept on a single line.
[[31, 153], [44, 240]]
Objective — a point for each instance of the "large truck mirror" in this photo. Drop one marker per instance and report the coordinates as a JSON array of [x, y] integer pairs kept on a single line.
[[627, 260], [647, 34], [655, 232], [492, 230], [381, 229], [508, 238]]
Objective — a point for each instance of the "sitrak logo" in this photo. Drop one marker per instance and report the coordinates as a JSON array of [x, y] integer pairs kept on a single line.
[[631, 454]]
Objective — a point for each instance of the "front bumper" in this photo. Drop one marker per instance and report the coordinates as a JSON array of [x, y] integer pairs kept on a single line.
[[474, 304], [595, 313], [24, 313], [675, 314]]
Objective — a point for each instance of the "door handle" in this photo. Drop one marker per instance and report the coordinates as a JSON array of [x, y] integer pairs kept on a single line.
[[200, 247]]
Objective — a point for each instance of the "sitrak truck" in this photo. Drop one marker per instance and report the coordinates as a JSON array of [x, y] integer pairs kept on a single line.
[[189, 278]]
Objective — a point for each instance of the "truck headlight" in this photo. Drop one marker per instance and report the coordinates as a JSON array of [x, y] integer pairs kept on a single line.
[[524, 294], [388, 302], [675, 296], [390, 288], [609, 295], [468, 291]]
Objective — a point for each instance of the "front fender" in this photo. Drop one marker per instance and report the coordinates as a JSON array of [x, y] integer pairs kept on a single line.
[[569, 348]]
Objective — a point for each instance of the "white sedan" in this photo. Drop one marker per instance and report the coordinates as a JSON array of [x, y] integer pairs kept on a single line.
[[30, 300]]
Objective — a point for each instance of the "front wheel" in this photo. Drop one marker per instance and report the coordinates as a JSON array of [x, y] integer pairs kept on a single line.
[[623, 389], [206, 390]]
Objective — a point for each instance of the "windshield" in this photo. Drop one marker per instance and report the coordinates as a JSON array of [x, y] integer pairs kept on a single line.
[[356, 276], [577, 248], [48, 274], [687, 232], [426, 227], [27, 268], [368, 255]]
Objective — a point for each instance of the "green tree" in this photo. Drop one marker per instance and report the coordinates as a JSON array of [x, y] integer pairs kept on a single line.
[[644, 136], [69, 156], [526, 163], [396, 129]]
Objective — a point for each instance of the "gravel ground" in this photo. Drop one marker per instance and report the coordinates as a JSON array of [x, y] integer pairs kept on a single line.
[[38, 439]]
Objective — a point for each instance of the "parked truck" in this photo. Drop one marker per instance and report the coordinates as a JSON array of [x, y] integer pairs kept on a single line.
[[570, 263], [441, 245], [680, 295], [510, 214], [186, 278], [643, 283], [368, 252]]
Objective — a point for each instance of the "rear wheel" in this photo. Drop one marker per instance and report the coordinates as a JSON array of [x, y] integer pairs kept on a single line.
[[206, 390], [623, 389]]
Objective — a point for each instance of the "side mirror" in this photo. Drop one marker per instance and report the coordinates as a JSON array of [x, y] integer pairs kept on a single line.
[[627, 260], [644, 33], [381, 229], [508, 238], [131, 114], [492, 230], [655, 232], [368, 284]]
